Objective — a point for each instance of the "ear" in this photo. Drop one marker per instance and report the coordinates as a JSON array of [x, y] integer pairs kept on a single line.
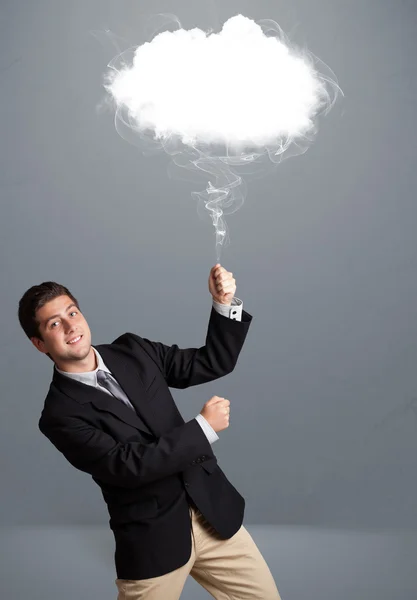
[[39, 344]]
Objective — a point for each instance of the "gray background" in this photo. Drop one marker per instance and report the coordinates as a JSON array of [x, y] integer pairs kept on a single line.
[[324, 410]]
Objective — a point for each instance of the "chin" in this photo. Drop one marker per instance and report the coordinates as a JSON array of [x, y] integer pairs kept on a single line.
[[82, 351]]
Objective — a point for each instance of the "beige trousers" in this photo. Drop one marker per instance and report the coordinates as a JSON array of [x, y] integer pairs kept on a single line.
[[232, 569]]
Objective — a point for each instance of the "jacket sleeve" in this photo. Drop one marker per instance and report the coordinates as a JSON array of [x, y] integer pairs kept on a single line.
[[185, 367], [129, 464]]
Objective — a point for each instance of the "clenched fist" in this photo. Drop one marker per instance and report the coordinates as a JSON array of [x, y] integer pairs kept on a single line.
[[222, 285], [216, 411]]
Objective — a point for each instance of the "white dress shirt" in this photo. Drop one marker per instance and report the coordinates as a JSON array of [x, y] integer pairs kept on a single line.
[[90, 377]]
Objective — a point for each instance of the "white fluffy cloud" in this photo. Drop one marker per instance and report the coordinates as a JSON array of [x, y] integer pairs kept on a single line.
[[238, 87]]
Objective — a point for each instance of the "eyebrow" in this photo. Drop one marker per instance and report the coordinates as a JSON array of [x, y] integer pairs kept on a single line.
[[55, 316]]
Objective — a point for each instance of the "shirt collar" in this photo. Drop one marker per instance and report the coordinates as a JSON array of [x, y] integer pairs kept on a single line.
[[88, 377]]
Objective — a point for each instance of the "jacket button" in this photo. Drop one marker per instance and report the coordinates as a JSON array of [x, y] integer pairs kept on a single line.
[[186, 483]]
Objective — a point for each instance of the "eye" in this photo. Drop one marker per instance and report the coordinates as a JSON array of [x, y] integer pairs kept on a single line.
[[74, 312]]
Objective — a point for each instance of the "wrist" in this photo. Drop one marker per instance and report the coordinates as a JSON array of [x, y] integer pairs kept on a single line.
[[223, 303]]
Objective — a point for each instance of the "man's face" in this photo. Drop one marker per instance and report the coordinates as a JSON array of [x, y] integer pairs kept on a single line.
[[61, 322]]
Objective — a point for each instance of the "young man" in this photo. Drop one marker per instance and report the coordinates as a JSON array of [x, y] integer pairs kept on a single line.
[[109, 411]]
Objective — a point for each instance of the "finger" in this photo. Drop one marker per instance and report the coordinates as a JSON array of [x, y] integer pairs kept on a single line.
[[229, 280], [228, 288], [215, 400], [224, 276], [221, 272], [226, 295], [229, 284], [226, 285], [215, 271]]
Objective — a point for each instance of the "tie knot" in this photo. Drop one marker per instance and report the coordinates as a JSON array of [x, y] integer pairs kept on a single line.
[[101, 376]]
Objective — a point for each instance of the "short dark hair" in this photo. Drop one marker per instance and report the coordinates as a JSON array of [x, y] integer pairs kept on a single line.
[[36, 297]]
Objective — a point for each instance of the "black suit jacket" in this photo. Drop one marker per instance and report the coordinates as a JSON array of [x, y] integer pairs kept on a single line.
[[149, 467]]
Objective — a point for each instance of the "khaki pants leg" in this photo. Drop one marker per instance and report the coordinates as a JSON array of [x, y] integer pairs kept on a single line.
[[232, 569]]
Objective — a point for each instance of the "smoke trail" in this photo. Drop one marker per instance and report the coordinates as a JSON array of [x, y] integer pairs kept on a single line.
[[220, 104]]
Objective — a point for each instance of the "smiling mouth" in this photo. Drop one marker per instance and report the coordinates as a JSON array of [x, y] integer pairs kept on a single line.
[[77, 340]]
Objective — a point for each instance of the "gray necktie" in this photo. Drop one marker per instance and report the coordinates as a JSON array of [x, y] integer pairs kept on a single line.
[[104, 379]]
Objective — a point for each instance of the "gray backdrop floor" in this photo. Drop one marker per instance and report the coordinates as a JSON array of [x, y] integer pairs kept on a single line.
[[307, 564]]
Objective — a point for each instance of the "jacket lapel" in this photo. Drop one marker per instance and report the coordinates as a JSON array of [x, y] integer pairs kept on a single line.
[[128, 374]]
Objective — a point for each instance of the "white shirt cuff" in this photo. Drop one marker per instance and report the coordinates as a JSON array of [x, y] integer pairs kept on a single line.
[[207, 428], [233, 312]]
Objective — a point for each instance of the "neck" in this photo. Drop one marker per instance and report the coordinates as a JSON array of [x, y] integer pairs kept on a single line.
[[89, 363]]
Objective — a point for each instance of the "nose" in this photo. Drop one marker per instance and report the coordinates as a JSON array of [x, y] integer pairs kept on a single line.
[[69, 327]]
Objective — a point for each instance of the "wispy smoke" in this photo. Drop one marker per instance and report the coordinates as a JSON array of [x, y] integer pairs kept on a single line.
[[220, 103]]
